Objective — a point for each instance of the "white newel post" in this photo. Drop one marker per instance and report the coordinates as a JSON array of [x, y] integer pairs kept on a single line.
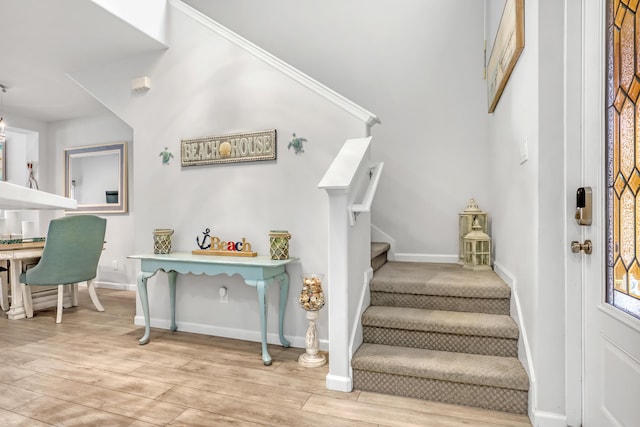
[[342, 182], [339, 377]]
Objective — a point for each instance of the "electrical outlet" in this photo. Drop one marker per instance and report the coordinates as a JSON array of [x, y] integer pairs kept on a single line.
[[114, 264], [224, 294]]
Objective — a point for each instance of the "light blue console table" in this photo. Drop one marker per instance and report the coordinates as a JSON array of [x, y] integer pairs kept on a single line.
[[258, 272]]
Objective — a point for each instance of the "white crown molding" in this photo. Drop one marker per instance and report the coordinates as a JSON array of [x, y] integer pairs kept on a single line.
[[367, 117]]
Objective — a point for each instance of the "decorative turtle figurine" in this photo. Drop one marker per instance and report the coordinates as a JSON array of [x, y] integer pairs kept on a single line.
[[296, 143], [166, 156]]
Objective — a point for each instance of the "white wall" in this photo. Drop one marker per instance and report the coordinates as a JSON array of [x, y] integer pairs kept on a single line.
[[418, 66], [120, 227], [205, 85], [30, 142], [528, 203]]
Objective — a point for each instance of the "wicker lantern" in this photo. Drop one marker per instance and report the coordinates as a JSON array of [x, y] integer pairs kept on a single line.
[[477, 249], [465, 222]]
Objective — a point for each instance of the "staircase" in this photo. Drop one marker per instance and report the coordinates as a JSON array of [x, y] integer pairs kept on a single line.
[[442, 333]]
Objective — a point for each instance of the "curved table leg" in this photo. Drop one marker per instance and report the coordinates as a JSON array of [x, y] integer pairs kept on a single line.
[[172, 297], [144, 300], [261, 287], [284, 293]]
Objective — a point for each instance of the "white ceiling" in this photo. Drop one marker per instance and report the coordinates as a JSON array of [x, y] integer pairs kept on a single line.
[[43, 40]]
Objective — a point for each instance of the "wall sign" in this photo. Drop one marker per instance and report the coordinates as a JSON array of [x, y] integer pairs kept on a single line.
[[221, 248], [232, 148]]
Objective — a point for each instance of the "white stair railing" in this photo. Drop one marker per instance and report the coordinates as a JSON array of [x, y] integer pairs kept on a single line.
[[351, 177], [375, 171]]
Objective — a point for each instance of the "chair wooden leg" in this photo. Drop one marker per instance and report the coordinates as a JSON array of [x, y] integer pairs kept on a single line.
[[74, 294], [94, 296], [4, 295], [26, 300], [60, 302]]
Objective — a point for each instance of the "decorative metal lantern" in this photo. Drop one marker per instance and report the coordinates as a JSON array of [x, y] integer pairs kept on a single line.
[[477, 249], [465, 222], [279, 244], [162, 240]]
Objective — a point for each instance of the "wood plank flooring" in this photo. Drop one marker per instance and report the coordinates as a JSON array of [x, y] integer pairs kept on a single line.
[[90, 371]]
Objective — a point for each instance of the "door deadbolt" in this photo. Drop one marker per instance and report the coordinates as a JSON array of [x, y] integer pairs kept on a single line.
[[584, 209], [586, 247]]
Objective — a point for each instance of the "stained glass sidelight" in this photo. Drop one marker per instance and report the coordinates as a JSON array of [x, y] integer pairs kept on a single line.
[[623, 155]]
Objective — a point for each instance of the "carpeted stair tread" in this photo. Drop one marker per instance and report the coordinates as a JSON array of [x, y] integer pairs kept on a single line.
[[448, 322], [438, 279], [492, 371], [378, 255], [378, 248]]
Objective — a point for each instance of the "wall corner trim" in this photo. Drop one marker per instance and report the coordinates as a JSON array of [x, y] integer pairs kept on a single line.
[[367, 117]]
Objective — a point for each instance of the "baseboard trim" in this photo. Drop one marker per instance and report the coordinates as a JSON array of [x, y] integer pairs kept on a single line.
[[548, 419], [378, 235], [338, 383], [512, 282], [433, 258], [116, 286], [240, 334], [365, 298]]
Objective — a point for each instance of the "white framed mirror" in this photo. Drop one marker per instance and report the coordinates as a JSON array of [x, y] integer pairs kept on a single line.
[[96, 177]]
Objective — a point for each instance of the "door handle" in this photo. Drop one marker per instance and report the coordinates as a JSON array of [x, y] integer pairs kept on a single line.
[[586, 247]]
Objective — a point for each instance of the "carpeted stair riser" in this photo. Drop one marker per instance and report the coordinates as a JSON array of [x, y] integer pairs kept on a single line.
[[487, 397], [475, 333], [378, 255], [447, 303], [415, 345], [378, 261], [490, 382], [494, 346]]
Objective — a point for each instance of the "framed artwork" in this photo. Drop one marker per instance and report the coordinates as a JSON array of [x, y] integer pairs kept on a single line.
[[507, 46]]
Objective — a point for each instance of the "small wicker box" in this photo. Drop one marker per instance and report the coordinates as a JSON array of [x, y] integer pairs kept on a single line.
[[279, 244]]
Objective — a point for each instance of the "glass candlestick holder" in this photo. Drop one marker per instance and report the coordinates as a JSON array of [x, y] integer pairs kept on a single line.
[[312, 300]]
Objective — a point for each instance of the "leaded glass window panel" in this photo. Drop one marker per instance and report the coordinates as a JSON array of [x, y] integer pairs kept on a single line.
[[623, 155]]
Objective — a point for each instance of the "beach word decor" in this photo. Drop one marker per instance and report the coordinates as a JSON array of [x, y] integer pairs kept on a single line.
[[232, 148], [223, 248]]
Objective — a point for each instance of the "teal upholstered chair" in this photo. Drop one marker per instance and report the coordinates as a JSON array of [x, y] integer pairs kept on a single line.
[[71, 254]]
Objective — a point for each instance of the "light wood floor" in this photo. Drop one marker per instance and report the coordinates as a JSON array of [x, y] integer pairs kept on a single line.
[[90, 371]]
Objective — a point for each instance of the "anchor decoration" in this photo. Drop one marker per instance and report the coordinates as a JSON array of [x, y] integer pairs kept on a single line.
[[204, 246]]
